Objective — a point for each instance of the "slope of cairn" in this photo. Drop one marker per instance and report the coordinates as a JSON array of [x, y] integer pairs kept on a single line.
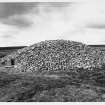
[[56, 55]]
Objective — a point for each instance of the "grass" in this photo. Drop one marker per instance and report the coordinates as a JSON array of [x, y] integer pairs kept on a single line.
[[75, 86]]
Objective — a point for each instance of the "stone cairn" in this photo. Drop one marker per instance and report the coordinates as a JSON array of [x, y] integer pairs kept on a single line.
[[55, 55]]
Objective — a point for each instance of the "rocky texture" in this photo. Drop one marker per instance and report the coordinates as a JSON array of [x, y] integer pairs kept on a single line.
[[8, 50], [56, 55]]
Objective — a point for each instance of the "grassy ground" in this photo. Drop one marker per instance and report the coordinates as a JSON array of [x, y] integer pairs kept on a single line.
[[78, 86]]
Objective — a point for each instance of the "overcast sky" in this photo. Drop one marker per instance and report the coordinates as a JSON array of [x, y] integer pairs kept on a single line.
[[27, 23]]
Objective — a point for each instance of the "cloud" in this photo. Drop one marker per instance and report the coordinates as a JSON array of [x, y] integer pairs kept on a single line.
[[18, 8], [97, 26], [16, 13], [47, 21], [18, 21], [8, 8], [7, 35], [88, 20]]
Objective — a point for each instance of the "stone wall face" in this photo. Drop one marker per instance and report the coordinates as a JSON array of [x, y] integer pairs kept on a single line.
[[56, 55]]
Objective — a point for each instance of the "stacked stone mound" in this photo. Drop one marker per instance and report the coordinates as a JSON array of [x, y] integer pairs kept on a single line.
[[56, 55]]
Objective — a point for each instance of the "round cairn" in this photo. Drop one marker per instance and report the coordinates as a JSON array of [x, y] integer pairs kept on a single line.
[[56, 55]]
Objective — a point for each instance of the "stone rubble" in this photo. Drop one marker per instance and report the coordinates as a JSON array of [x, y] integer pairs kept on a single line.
[[56, 55]]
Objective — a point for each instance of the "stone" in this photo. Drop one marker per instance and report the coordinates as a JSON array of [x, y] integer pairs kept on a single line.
[[56, 55]]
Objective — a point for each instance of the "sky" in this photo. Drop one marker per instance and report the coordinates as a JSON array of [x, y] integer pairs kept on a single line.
[[26, 23]]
